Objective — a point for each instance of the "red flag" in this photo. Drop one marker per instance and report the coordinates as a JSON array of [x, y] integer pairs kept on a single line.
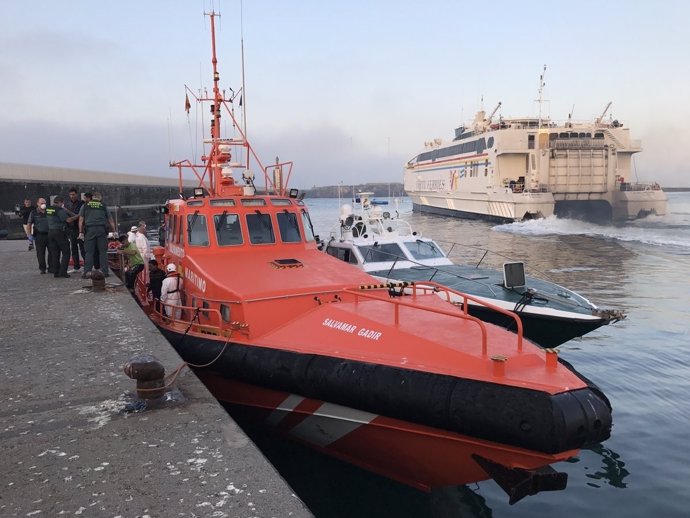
[[187, 105]]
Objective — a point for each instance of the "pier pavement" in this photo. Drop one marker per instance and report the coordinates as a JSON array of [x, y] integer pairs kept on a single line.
[[67, 445]]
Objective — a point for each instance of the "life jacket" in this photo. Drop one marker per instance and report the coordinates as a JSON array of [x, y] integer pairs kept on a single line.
[[177, 287]]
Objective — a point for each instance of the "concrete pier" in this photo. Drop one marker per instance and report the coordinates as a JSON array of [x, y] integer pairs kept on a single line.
[[72, 443]]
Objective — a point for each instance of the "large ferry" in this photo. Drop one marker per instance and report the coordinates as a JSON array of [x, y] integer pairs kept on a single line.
[[410, 387], [512, 169]]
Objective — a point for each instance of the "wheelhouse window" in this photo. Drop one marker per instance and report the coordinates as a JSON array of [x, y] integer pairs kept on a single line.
[[260, 229], [308, 227], [171, 228], [197, 230], [422, 250], [288, 227], [228, 231], [380, 253]]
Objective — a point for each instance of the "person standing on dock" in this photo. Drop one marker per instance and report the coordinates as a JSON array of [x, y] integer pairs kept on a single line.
[[73, 205], [25, 212], [93, 220], [58, 244], [38, 228]]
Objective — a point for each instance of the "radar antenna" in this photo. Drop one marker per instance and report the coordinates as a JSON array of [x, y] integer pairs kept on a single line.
[[540, 100]]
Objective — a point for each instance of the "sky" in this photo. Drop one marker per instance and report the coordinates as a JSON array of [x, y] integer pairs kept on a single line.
[[347, 90]]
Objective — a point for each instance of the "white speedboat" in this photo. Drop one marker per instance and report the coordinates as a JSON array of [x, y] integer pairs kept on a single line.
[[388, 248]]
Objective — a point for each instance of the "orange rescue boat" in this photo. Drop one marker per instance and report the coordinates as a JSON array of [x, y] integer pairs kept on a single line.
[[397, 381]]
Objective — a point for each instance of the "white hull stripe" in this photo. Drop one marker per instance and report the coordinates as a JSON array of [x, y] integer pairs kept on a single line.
[[284, 409], [330, 423]]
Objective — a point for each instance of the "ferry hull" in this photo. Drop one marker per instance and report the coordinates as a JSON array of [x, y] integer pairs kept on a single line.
[[498, 206]]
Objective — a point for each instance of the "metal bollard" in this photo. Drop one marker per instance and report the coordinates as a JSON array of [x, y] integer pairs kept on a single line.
[[149, 374], [98, 280]]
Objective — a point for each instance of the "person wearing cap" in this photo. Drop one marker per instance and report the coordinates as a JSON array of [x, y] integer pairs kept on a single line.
[[93, 220], [142, 241], [134, 261], [171, 294], [132, 234]]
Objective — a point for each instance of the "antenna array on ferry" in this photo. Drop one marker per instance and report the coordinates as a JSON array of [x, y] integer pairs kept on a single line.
[[541, 93]]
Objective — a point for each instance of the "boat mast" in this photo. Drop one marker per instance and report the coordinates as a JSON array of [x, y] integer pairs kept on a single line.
[[541, 93], [214, 166]]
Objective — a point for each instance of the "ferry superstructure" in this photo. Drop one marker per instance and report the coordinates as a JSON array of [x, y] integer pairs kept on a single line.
[[523, 168]]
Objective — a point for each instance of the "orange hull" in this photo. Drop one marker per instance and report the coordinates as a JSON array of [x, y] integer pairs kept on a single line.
[[416, 455]]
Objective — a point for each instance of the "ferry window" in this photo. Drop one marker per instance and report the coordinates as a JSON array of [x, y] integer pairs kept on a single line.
[[205, 314], [490, 143], [225, 312], [599, 135], [180, 224], [424, 250], [481, 145], [228, 231], [563, 135], [553, 136], [308, 227], [197, 231], [530, 141], [385, 252], [582, 135], [195, 203], [280, 202], [288, 227], [260, 228]]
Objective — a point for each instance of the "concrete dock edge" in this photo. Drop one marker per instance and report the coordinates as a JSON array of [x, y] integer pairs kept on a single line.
[[68, 447]]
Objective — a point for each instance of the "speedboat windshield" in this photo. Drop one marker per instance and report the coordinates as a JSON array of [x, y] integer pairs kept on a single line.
[[377, 253], [422, 250]]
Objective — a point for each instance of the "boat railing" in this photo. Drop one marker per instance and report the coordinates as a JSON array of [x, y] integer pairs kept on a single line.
[[427, 288], [209, 321], [195, 319]]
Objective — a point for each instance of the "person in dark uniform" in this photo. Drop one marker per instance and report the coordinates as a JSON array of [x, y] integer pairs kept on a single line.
[[93, 220], [73, 206], [58, 243], [96, 258], [38, 228], [156, 276], [25, 212]]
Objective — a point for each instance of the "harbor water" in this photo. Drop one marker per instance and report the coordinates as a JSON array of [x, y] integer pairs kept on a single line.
[[641, 363]]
